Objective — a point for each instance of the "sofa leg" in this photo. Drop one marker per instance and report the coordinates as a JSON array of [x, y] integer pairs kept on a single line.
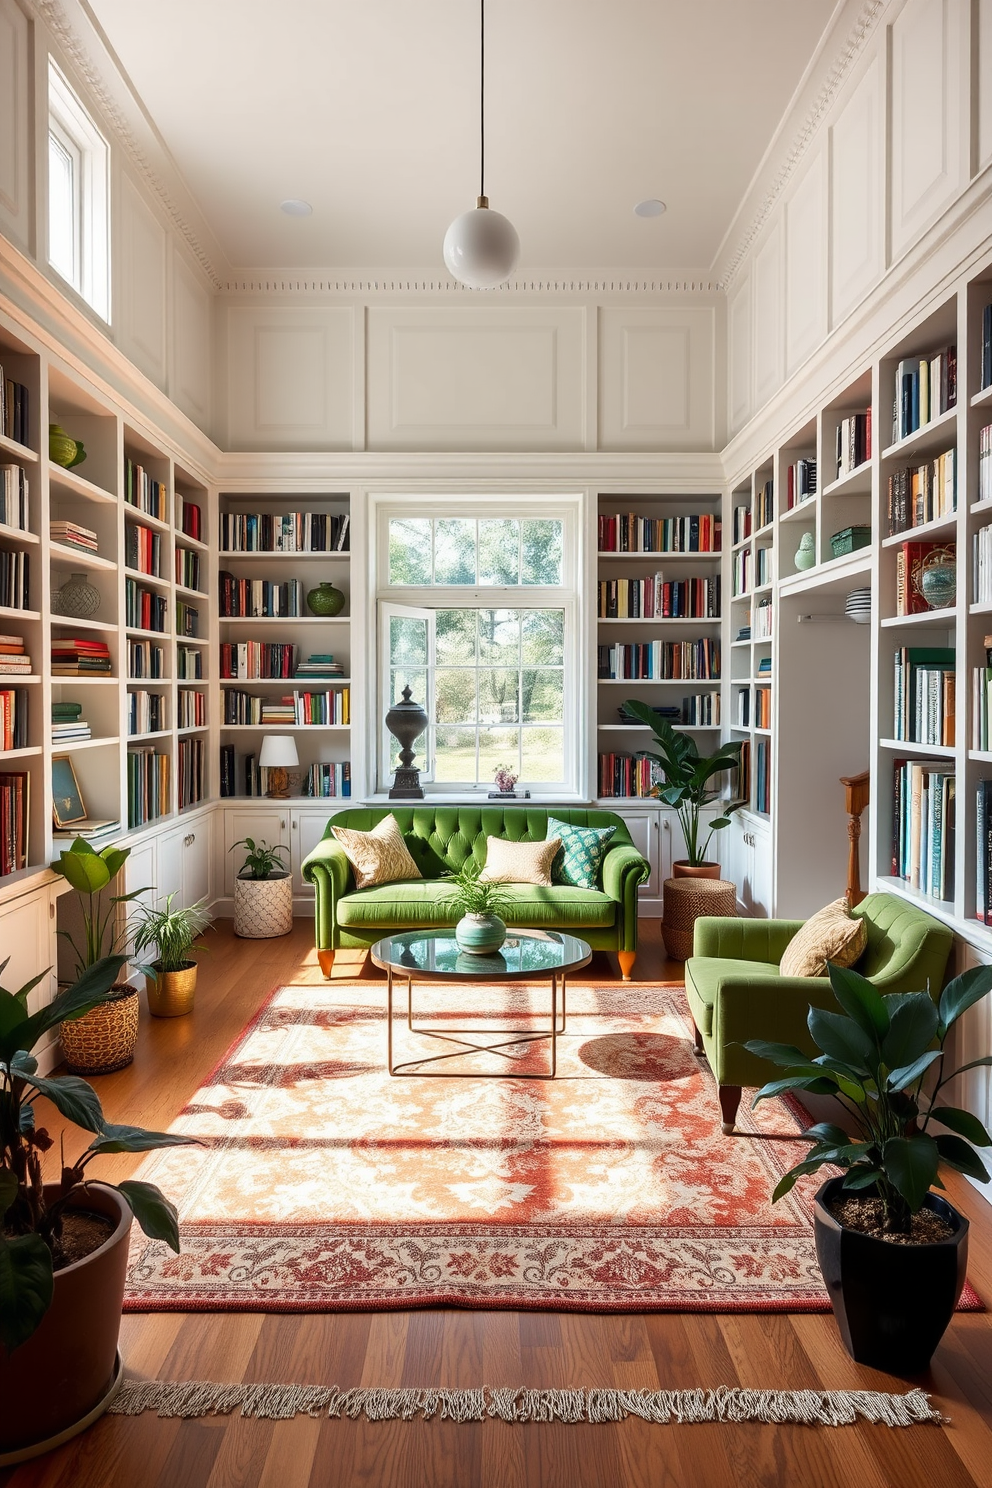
[[326, 960], [626, 959], [730, 1099], [697, 1041]]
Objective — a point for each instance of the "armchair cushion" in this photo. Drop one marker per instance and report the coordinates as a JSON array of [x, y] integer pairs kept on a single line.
[[832, 934], [519, 862], [579, 861], [377, 857]]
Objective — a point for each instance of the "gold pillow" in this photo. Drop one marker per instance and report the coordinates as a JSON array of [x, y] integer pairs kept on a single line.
[[519, 862], [377, 857], [833, 934]]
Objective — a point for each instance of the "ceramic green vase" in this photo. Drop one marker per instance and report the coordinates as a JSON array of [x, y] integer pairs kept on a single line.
[[325, 600], [63, 449], [480, 935]]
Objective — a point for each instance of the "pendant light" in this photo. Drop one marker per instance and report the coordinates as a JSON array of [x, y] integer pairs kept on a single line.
[[481, 247]]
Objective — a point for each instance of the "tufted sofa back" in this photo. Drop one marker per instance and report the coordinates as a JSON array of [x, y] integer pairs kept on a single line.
[[441, 839]]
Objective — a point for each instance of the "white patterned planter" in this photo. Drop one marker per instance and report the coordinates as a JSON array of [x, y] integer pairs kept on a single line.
[[263, 907]]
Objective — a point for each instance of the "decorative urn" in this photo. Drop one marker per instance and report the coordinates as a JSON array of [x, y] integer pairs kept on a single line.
[[325, 600], [805, 553], [406, 721]]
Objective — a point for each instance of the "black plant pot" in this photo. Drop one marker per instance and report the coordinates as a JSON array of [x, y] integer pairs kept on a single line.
[[892, 1302]]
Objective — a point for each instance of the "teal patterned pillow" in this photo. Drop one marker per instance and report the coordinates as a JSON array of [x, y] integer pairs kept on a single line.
[[580, 858]]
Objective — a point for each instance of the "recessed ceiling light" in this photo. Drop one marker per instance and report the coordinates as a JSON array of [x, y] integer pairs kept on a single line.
[[296, 207], [650, 208]]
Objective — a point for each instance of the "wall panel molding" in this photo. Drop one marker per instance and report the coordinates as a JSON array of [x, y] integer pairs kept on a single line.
[[928, 151], [768, 328], [806, 263], [657, 377], [15, 123], [289, 378], [141, 282], [740, 369], [857, 201], [190, 377]]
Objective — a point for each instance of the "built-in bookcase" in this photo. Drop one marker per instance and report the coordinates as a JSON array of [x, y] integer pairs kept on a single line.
[[660, 590], [282, 669]]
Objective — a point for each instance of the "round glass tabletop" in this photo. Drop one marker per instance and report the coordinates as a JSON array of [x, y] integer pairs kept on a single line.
[[431, 953]]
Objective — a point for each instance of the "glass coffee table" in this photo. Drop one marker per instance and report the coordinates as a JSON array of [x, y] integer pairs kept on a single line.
[[434, 956]]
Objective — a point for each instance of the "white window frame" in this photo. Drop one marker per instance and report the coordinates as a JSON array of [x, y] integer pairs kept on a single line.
[[72, 126], [408, 598]]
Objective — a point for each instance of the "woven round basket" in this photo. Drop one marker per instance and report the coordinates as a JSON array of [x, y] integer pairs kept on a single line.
[[686, 899], [103, 1040]]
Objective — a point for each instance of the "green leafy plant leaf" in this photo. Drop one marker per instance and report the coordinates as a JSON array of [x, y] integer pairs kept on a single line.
[[962, 993], [8, 1189], [911, 1165], [73, 1098], [899, 1079], [841, 1038], [912, 1027], [26, 1286], [153, 1211], [962, 1122], [116, 1138], [960, 1156], [860, 1000]]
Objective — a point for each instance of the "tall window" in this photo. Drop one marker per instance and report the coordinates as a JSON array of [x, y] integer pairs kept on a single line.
[[477, 617], [78, 196]]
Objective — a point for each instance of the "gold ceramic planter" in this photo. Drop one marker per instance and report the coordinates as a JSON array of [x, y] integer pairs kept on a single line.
[[171, 993]]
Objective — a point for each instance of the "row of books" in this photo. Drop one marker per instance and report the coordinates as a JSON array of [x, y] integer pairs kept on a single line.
[[187, 619], [284, 532], [924, 698], [190, 518], [625, 775], [761, 618], [143, 608], [15, 579], [981, 566], [254, 777], [981, 701], [191, 708], [629, 533], [922, 493], [190, 770], [144, 492], [983, 852], [303, 709], [15, 410], [143, 549], [74, 535], [189, 663], [78, 656], [762, 776], [248, 597], [145, 712], [651, 598], [911, 561], [752, 569], [14, 488], [147, 786], [800, 482], [328, 778], [742, 523], [853, 446], [764, 505], [255, 660], [762, 717], [925, 387], [985, 463], [923, 826], [145, 661], [187, 568], [666, 660], [702, 710], [13, 718], [15, 801]]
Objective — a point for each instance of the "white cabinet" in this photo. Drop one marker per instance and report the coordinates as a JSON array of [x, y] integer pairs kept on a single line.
[[27, 937], [268, 823], [177, 861], [650, 832], [307, 827], [750, 865]]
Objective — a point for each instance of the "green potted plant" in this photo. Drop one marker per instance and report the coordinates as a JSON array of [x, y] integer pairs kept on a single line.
[[63, 1244], [484, 908], [263, 892], [171, 976], [893, 1254], [104, 1041], [688, 776]]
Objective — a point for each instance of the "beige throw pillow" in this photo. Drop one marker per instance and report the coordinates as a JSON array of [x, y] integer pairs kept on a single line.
[[519, 862], [833, 934], [377, 857]]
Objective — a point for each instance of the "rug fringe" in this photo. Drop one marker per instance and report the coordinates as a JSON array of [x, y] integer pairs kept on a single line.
[[189, 1398]]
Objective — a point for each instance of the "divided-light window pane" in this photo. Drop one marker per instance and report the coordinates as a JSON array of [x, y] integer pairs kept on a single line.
[[499, 552], [62, 190]]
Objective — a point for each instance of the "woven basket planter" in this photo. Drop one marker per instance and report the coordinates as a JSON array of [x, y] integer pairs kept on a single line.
[[686, 899], [263, 907], [103, 1040]]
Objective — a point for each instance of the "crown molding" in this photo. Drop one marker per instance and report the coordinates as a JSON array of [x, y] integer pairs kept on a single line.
[[780, 166], [308, 284], [86, 48]]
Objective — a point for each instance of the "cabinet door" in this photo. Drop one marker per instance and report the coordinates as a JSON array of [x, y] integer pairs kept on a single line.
[[761, 874], [170, 865], [269, 824], [196, 861], [308, 828], [27, 935], [644, 833]]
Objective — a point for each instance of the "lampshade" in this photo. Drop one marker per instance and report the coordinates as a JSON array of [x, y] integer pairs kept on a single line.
[[481, 247], [278, 752]]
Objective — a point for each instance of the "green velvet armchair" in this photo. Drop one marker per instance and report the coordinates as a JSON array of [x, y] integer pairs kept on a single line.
[[441, 840], [736, 991]]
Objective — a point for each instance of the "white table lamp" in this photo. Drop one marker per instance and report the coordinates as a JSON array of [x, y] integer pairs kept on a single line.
[[277, 756]]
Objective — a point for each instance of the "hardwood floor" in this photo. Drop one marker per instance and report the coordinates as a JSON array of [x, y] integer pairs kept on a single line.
[[462, 1348]]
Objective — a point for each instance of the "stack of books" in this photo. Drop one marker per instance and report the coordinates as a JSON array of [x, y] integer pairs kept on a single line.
[[329, 779], [145, 712], [90, 829], [14, 580], [15, 416], [67, 724], [15, 790], [13, 718], [71, 535], [14, 660], [319, 664], [923, 826], [925, 388], [13, 497], [278, 710], [853, 446], [75, 657]]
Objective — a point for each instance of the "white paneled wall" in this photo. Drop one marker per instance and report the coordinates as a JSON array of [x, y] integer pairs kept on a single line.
[[929, 77], [857, 205], [657, 378], [806, 262], [190, 375], [740, 359], [290, 378], [769, 316], [982, 46], [15, 136], [140, 312]]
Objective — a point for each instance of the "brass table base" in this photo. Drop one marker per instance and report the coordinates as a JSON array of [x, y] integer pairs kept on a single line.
[[406, 1067]]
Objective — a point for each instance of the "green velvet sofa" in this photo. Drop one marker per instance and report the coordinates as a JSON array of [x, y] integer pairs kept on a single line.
[[736, 991], [441, 839]]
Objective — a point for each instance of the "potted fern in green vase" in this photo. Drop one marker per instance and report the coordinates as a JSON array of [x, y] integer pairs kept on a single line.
[[483, 907]]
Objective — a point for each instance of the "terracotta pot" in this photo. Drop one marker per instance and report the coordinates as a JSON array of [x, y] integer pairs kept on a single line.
[[684, 869], [892, 1302], [66, 1373], [170, 993]]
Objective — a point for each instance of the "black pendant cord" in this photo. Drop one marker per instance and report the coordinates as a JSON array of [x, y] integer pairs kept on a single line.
[[482, 97]]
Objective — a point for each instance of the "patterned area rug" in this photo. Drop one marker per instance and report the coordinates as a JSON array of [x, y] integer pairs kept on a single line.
[[324, 1184]]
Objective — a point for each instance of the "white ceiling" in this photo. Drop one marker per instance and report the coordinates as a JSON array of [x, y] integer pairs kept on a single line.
[[368, 109]]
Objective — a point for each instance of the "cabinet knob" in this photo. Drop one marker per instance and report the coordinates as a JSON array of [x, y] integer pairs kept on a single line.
[[282, 825]]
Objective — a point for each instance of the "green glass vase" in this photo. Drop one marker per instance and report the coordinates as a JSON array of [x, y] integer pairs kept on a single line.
[[325, 600]]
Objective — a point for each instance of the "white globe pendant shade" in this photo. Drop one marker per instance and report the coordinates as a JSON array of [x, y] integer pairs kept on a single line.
[[481, 247]]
